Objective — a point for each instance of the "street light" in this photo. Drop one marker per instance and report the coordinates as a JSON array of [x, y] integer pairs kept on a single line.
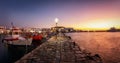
[[56, 21]]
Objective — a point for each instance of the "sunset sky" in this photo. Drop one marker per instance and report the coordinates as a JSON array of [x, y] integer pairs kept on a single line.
[[79, 14]]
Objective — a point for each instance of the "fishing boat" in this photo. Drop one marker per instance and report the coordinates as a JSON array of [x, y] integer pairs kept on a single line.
[[15, 38]]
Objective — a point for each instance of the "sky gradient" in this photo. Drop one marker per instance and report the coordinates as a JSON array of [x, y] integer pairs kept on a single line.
[[80, 14]]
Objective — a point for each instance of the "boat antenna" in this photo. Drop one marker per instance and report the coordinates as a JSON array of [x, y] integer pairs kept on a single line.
[[12, 24], [12, 27]]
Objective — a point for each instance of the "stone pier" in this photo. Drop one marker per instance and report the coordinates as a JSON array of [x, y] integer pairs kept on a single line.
[[59, 49]]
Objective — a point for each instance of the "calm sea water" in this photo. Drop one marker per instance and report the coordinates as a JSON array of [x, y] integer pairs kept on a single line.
[[106, 44]]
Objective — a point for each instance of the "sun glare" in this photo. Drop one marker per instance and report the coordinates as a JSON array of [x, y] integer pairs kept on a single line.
[[97, 25]]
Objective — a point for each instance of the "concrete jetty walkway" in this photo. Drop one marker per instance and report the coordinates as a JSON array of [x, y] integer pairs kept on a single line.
[[59, 49]]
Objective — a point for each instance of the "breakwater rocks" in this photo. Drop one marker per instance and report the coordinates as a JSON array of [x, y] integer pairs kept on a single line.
[[59, 49]]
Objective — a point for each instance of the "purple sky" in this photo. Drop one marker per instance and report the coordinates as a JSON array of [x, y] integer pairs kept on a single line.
[[71, 13]]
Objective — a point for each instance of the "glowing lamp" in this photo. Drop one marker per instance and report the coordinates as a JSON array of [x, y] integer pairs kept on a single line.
[[56, 21]]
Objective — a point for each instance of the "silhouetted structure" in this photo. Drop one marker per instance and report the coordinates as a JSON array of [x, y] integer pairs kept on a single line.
[[113, 29]]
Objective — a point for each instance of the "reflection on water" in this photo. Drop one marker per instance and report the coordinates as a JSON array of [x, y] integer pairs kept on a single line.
[[3, 51], [104, 43]]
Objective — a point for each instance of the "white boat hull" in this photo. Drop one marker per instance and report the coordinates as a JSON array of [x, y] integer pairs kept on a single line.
[[19, 42]]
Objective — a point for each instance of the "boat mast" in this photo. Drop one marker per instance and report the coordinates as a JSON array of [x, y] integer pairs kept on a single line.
[[12, 28]]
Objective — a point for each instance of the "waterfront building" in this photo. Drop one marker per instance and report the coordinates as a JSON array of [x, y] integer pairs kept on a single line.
[[62, 29], [2, 29]]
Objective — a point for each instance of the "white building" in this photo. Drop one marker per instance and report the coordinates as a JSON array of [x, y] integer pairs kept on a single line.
[[2, 29]]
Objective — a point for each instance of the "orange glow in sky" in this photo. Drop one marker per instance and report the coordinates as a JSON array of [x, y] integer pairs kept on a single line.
[[98, 25]]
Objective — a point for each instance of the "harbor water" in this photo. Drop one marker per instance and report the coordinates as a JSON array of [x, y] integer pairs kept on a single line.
[[10, 54], [106, 44]]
